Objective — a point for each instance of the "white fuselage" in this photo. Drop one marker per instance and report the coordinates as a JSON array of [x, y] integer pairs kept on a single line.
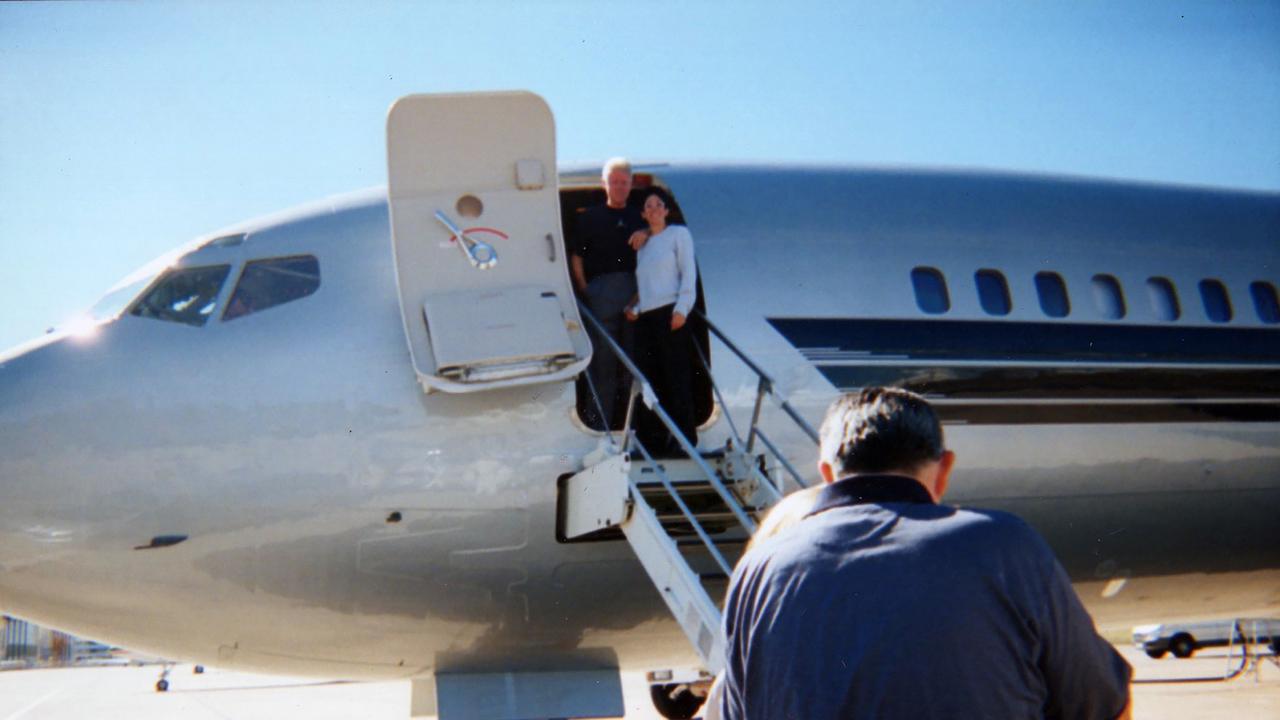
[[281, 443]]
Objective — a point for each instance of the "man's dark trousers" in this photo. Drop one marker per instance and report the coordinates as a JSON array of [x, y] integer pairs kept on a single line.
[[607, 298]]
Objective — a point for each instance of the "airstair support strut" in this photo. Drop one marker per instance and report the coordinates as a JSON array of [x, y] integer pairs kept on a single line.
[[658, 504]]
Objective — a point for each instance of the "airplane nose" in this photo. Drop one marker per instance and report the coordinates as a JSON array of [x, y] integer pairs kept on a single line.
[[15, 451], [37, 495]]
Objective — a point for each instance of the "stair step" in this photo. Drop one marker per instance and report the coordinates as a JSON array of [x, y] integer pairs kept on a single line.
[[720, 541], [712, 454], [653, 489], [722, 516]]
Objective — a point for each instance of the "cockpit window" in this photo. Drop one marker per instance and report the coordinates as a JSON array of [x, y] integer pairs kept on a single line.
[[122, 295], [186, 295], [118, 298], [267, 283]]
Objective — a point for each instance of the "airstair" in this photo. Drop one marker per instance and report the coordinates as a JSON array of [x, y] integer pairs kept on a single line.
[[688, 519]]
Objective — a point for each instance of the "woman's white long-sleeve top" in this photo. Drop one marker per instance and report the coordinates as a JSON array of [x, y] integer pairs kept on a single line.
[[665, 271]]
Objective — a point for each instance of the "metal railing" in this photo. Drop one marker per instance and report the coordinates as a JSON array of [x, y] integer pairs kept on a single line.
[[765, 387], [641, 388], [707, 542]]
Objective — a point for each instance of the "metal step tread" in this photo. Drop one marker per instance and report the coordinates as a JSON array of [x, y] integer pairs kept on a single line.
[[701, 516], [711, 454]]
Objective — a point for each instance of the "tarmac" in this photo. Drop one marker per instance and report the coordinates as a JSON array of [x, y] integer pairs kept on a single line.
[[111, 692]]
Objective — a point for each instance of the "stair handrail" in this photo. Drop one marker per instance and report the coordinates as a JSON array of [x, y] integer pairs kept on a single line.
[[755, 432], [765, 386], [595, 397], [684, 510], [650, 398]]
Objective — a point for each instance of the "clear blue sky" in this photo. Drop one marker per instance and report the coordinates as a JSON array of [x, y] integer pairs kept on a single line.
[[129, 128]]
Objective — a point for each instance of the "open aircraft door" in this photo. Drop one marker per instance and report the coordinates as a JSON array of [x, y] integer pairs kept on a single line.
[[475, 227]]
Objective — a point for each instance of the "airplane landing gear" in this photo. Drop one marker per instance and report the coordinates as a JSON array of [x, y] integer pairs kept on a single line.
[[676, 701], [162, 685]]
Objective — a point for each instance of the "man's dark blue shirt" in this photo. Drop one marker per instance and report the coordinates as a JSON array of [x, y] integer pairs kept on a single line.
[[602, 239], [882, 604]]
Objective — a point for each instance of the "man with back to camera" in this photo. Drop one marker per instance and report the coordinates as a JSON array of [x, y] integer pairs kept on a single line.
[[881, 603], [603, 264]]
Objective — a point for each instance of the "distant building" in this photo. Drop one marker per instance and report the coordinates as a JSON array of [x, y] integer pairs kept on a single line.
[[20, 639], [26, 642]]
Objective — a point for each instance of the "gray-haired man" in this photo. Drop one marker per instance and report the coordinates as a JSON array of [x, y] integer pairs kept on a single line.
[[603, 265]]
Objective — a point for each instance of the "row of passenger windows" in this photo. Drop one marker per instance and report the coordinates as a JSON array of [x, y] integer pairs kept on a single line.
[[1108, 297], [190, 295]]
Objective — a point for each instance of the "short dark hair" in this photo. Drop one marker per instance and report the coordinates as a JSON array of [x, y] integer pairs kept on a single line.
[[880, 430]]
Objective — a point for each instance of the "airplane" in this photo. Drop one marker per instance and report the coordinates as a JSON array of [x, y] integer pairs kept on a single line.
[[334, 441]]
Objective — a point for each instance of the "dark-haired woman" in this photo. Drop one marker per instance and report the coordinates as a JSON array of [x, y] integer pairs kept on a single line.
[[666, 278]]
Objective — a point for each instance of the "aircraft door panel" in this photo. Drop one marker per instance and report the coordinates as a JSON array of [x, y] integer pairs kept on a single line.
[[475, 216]]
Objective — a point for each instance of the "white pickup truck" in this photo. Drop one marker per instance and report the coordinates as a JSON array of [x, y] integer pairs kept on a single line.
[[1183, 639]]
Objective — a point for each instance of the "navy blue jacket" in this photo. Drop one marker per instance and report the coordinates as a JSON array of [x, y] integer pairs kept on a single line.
[[883, 604]]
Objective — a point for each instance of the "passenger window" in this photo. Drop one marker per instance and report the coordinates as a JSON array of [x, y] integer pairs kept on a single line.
[[931, 290], [1052, 292], [993, 292], [1164, 299], [1265, 302], [1108, 296], [267, 283], [184, 296], [1217, 304]]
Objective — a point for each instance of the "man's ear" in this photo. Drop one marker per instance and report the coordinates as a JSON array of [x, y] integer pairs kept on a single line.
[[943, 476], [824, 469]]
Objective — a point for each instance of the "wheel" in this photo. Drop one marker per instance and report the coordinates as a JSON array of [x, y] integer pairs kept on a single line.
[[198, 670], [162, 686], [675, 701], [1156, 654], [1182, 645]]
